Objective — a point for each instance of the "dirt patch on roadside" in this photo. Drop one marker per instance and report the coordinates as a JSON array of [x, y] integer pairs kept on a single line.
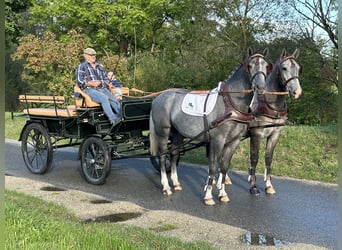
[[188, 228]]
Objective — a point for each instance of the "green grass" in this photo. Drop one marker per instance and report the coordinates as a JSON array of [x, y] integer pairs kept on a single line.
[[304, 152], [32, 223], [13, 126]]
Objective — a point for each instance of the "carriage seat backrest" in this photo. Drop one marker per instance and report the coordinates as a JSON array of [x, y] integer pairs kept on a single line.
[[83, 100], [46, 105]]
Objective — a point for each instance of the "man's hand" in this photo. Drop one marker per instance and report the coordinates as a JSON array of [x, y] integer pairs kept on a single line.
[[93, 84], [109, 85]]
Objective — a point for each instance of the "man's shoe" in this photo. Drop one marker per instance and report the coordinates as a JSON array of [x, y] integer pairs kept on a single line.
[[115, 121]]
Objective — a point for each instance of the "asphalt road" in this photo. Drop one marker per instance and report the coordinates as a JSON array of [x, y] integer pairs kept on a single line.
[[300, 212]]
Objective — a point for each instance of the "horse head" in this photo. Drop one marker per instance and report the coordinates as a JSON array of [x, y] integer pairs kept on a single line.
[[289, 70], [258, 67]]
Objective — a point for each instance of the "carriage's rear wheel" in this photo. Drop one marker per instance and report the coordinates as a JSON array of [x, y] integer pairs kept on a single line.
[[156, 163], [36, 148], [95, 160]]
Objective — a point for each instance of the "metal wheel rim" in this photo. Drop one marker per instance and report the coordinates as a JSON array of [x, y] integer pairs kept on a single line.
[[36, 149]]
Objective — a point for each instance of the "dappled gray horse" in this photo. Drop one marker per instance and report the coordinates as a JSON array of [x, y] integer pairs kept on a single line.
[[270, 110], [222, 128]]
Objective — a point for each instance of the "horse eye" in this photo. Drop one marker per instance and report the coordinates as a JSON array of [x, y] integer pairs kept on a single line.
[[284, 68]]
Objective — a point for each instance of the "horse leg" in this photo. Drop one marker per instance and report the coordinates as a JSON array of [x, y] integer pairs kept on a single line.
[[227, 180], [208, 189], [221, 182], [227, 154], [254, 158], [158, 145], [163, 176], [270, 146], [214, 155], [176, 141]]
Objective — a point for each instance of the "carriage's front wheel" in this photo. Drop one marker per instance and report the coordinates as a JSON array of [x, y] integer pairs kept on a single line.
[[95, 160], [36, 148]]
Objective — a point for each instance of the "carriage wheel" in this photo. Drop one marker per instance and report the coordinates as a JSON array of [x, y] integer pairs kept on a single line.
[[36, 148], [155, 162], [95, 160]]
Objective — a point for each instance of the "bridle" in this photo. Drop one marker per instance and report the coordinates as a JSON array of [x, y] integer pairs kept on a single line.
[[251, 77], [284, 81], [257, 56], [291, 58]]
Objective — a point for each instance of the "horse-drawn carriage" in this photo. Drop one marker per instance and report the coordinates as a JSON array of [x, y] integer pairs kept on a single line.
[[156, 125], [52, 124]]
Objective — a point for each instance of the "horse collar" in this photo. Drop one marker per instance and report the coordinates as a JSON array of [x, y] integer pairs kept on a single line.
[[266, 110], [231, 111]]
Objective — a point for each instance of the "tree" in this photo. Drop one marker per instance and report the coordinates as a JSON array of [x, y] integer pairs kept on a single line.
[[50, 64], [111, 25], [159, 44], [321, 15], [15, 21], [15, 26]]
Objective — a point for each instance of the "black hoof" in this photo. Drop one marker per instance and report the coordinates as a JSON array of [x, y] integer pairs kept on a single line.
[[254, 190]]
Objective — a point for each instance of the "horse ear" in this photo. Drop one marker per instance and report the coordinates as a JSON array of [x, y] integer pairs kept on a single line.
[[296, 53], [283, 53], [301, 68], [250, 52], [265, 53]]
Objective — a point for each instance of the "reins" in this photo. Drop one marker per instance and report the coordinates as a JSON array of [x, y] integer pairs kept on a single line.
[[245, 91], [275, 92]]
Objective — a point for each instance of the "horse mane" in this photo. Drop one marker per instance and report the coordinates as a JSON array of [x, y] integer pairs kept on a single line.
[[234, 71]]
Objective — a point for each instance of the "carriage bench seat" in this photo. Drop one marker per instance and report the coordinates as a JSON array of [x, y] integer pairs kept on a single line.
[[54, 101], [83, 100]]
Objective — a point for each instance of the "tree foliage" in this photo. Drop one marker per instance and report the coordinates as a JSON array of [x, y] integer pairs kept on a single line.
[[50, 64], [159, 44]]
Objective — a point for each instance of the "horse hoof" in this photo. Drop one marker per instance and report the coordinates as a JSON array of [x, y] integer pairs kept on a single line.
[[178, 188], [224, 199], [254, 191], [228, 182], [167, 192], [209, 202], [270, 190]]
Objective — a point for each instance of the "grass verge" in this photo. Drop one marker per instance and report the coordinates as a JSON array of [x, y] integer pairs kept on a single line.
[[32, 223], [303, 152]]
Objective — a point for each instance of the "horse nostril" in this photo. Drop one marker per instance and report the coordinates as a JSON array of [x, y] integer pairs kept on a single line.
[[297, 93]]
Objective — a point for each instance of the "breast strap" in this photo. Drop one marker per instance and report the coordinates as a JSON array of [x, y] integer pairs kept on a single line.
[[266, 110]]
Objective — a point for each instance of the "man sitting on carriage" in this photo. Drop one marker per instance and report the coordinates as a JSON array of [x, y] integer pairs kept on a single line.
[[91, 77]]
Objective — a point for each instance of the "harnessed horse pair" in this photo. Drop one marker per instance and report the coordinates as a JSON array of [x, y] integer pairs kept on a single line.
[[224, 127]]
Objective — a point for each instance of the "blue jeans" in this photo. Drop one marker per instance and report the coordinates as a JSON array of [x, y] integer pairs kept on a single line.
[[107, 101]]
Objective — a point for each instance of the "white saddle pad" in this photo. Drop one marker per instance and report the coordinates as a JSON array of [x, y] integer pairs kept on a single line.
[[193, 104]]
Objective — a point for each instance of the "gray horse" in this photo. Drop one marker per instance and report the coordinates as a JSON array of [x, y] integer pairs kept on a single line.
[[270, 110], [222, 129]]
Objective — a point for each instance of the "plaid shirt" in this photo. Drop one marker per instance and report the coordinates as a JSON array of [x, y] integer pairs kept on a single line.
[[86, 73]]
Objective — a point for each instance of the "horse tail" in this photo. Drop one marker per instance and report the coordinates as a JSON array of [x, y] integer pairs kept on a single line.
[[153, 139]]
